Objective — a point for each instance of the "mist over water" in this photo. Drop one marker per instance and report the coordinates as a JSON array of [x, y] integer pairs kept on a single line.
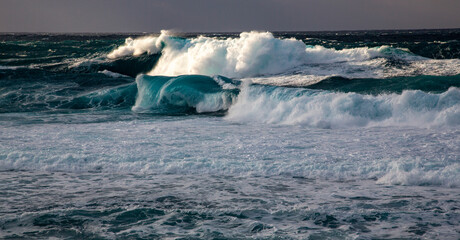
[[349, 135]]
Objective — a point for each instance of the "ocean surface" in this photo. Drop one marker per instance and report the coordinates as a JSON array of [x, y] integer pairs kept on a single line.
[[253, 135]]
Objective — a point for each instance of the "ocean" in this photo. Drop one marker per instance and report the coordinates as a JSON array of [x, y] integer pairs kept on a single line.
[[253, 135]]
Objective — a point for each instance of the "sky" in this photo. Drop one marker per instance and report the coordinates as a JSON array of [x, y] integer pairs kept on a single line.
[[225, 15]]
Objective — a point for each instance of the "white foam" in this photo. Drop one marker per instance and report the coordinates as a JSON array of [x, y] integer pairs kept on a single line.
[[16, 67], [112, 74], [337, 110], [175, 145], [255, 54], [418, 172], [320, 54], [86, 62], [135, 47], [9, 67]]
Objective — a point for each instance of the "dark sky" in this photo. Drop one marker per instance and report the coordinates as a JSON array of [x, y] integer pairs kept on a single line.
[[224, 15]]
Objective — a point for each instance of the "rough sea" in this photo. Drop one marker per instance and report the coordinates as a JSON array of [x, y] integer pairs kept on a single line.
[[253, 135]]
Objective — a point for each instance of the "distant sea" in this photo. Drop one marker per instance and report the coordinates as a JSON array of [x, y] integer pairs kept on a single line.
[[253, 135]]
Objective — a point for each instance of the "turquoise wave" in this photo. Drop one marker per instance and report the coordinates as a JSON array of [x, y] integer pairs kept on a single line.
[[187, 93]]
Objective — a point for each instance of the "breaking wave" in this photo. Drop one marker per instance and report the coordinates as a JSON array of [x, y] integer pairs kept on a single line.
[[326, 109], [260, 54], [184, 93]]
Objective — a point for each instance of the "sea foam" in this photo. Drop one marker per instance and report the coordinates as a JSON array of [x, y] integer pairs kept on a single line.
[[171, 145], [251, 54], [326, 109]]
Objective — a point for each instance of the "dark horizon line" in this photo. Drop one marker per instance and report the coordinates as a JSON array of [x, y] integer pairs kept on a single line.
[[236, 32]]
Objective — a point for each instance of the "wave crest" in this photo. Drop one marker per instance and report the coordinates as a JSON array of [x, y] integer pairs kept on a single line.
[[136, 47], [325, 109], [251, 54], [160, 94]]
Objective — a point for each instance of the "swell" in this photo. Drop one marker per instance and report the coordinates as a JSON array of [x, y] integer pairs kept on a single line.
[[183, 94], [117, 97], [148, 94], [132, 66], [243, 102], [436, 84], [57, 99], [128, 65], [435, 44], [38, 90], [64, 54]]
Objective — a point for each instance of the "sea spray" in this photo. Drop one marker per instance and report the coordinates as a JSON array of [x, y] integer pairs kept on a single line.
[[323, 109], [260, 54]]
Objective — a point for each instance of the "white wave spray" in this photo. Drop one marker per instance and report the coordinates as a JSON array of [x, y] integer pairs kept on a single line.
[[260, 54], [338, 110]]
